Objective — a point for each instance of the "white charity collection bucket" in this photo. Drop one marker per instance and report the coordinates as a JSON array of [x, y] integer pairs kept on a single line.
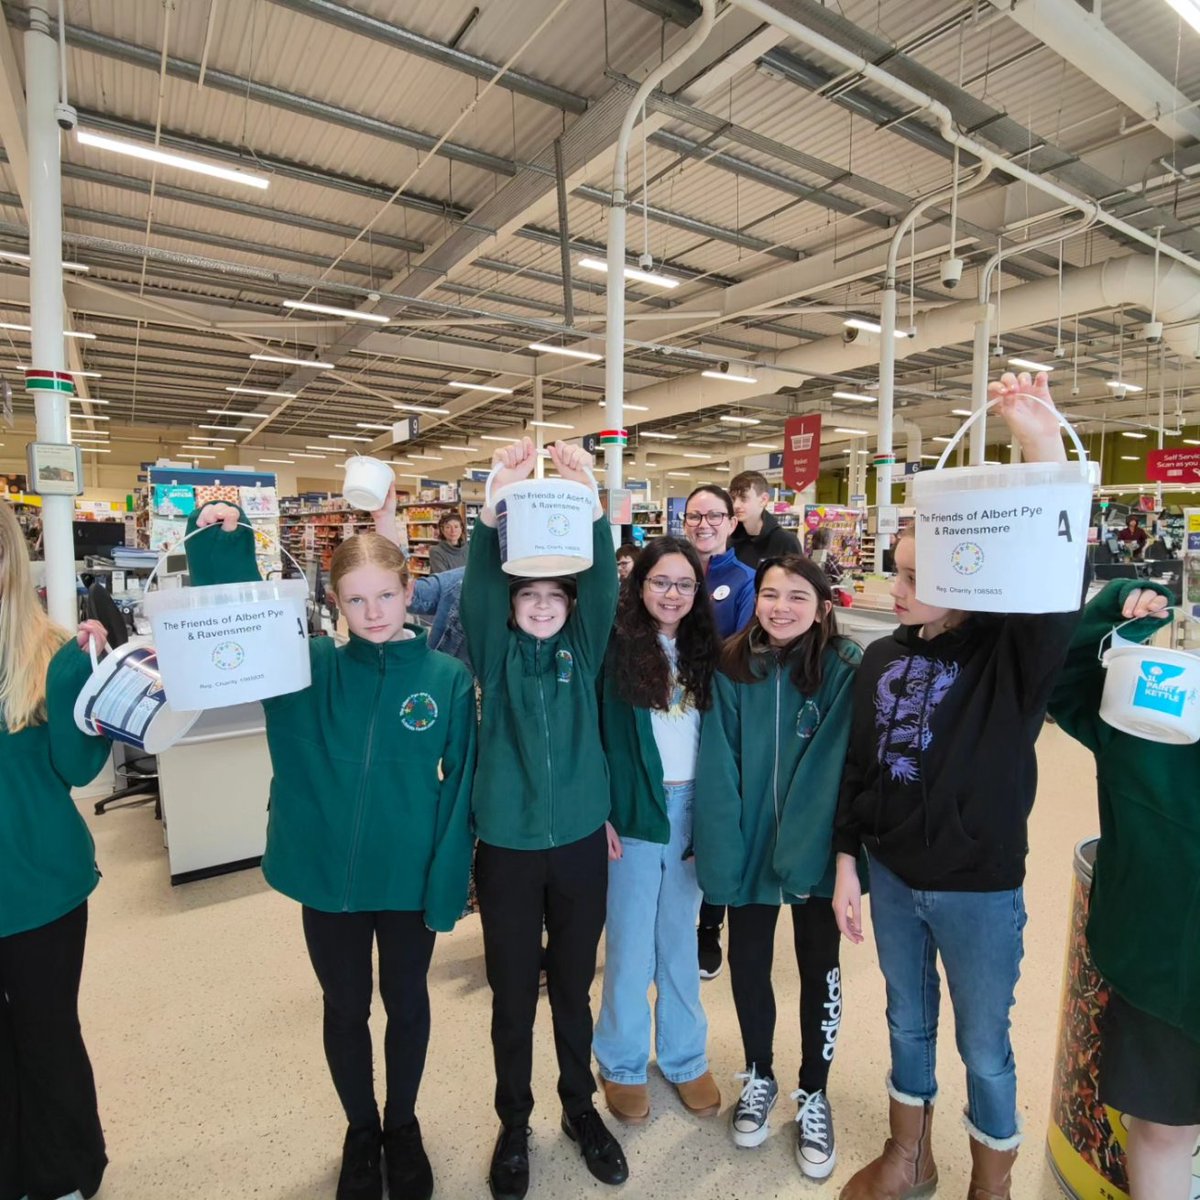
[[545, 525], [1151, 692], [230, 643], [367, 481], [1003, 539], [124, 698]]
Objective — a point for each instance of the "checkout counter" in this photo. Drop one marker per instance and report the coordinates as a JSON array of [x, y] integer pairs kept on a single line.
[[214, 784]]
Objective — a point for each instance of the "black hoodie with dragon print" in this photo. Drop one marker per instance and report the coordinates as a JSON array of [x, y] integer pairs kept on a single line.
[[941, 772]]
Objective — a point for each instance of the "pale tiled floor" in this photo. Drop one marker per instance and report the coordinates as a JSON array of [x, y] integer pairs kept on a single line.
[[203, 1019]]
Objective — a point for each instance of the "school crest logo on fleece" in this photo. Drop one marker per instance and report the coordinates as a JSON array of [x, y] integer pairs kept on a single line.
[[419, 712], [905, 698]]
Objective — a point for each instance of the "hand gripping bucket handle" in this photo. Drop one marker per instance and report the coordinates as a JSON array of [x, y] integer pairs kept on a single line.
[[188, 537], [487, 487], [1028, 396], [1113, 637]]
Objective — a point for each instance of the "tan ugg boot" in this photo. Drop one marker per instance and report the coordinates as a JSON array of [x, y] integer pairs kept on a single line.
[[628, 1102], [700, 1096], [991, 1172], [905, 1170]]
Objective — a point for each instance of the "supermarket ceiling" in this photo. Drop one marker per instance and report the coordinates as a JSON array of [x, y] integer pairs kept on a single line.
[[446, 166]]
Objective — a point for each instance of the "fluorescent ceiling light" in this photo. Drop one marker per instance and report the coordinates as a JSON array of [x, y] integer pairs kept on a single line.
[[568, 351], [550, 425], [351, 314], [89, 417], [339, 449], [233, 412], [458, 449], [369, 425], [219, 428], [245, 391], [348, 437], [427, 457], [199, 437], [666, 437], [297, 454], [650, 464], [18, 328], [491, 437], [678, 475], [93, 450], [480, 387], [1131, 458], [730, 376], [24, 258], [170, 158], [941, 439], [85, 374], [652, 277], [1131, 434], [961, 412], [1030, 365], [88, 400], [742, 420], [763, 446], [854, 432], [86, 441], [855, 396], [1191, 442], [1117, 385], [705, 457], [931, 457], [285, 461], [1189, 10], [871, 326], [210, 457], [422, 408], [294, 362], [91, 337], [628, 407]]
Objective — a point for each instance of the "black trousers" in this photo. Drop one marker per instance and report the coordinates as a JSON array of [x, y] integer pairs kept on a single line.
[[751, 951], [51, 1142], [566, 888], [339, 945]]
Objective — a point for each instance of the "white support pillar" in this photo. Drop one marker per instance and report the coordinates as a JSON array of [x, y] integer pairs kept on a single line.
[[539, 440], [46, 296]]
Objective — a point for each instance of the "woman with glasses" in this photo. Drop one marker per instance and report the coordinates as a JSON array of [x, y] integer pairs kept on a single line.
[[708, 523], [657, 681]]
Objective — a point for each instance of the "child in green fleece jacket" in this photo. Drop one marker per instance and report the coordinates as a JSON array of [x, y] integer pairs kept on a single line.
[[1144, 921], [368, 829], [541, 806], [51, 1141], [771, 755]]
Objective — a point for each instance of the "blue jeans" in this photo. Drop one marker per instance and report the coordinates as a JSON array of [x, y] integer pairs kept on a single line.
[[650, 936], [979, 936]]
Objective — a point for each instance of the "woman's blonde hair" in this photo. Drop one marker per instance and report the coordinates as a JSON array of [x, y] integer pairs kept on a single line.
[[28, 638], [367, 549]]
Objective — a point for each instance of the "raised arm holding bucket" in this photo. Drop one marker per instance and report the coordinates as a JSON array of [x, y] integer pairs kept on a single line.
[[939, 781], [1145, 902], [369, 831], [541, 795], [51, 1141]]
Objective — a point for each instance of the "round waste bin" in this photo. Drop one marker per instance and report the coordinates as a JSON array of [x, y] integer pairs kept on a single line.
[[1085, 1142]]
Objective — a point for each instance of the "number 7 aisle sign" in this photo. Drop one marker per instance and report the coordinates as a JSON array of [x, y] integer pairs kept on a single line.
[[1173, 466], [802, 451]]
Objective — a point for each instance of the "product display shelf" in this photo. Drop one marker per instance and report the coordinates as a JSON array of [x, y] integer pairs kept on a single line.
[[649, 517], [419, 520], [312, 529]]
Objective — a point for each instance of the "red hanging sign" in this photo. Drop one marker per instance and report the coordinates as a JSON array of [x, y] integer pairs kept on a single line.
[[802, 451], [1173, 466]]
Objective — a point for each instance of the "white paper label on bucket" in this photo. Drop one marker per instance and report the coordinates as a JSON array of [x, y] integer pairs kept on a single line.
[[232, 653], [1004, 550], [126, 703], [545, 527]]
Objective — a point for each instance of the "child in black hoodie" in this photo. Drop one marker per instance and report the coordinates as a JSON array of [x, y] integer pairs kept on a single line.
[[940, 777]]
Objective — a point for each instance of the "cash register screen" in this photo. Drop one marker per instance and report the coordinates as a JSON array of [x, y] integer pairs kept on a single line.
[[176, 564]]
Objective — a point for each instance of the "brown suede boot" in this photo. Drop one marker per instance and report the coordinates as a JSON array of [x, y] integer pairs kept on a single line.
[[628, 1102], [905, 1170], [991, 1172]]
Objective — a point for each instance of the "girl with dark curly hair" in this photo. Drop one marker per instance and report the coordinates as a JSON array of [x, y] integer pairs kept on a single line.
[[657, 682]]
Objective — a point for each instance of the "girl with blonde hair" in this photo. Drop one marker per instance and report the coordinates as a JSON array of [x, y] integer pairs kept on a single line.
[[51, 1142]]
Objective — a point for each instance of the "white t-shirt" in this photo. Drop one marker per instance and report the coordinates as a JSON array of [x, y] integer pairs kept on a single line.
[[677, 730]]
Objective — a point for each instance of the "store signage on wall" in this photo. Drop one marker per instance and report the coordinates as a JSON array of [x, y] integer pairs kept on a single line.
[[1173, 466], [802, 451], [405, 429]]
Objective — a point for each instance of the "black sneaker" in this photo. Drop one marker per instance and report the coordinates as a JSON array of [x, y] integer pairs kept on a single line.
[[360, 1178], [601, 1151], [708, 941], [409, 1175], [508, 1178]]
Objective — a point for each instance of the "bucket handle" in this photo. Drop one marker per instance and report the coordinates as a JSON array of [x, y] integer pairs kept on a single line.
[[1116, 630], [1083, 458], [487, 487], [187, 537]]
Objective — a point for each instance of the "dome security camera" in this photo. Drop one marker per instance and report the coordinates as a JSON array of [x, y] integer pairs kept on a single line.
[[1152, 332], [66, 116], [952, 272]]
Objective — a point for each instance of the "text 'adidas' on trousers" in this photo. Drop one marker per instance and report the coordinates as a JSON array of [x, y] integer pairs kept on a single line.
[[565, 888]]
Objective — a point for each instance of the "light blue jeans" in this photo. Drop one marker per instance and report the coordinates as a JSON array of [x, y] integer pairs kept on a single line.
[[650, 937], [979, 936]]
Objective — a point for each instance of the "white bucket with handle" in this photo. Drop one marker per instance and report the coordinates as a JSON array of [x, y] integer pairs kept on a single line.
[[1151, 692], [367, 481], [1004, 539], [545, 525], [230, 643], [124, 698]]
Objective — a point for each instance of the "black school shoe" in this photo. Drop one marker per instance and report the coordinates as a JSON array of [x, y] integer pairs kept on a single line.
[[708, 950], [508, 1178], [601, 1151], [361, 1178], [409, 1175]]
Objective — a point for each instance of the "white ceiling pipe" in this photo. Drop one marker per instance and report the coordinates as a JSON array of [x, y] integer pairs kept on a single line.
[[945, 121], [614, 347], [1116, 283]]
